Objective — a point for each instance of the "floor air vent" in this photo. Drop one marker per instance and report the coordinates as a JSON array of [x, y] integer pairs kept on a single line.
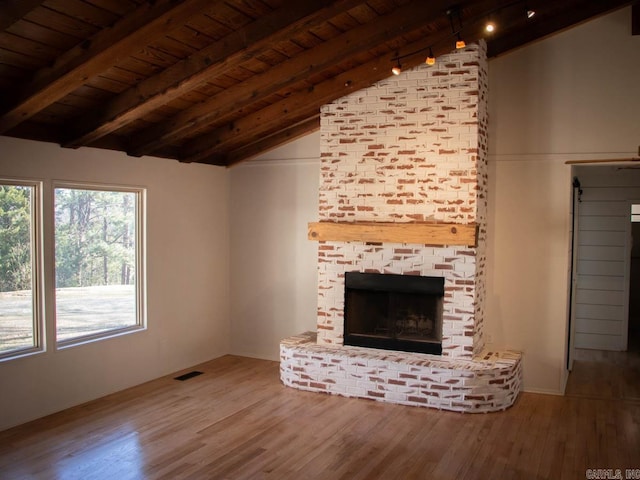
[[187, 376]]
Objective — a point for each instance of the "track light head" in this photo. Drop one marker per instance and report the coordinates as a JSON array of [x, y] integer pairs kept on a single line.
[[431, 59], [397, 69], [451, 13], [530, 11]]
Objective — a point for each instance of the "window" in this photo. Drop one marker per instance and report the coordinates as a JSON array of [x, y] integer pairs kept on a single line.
[[98, 237], [635, 212], [98, 262], [20, 326]]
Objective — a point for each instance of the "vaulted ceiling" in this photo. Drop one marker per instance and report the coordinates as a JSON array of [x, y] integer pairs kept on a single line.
[[217, 82]]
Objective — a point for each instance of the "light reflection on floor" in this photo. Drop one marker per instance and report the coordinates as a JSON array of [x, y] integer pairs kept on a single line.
[[117, 456]]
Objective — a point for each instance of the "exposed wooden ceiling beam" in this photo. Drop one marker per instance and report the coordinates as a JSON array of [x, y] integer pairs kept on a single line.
[[304, 103], [90, 58], [288, 73], [263, 145], [13, 10], [564, 16], [213, 61]]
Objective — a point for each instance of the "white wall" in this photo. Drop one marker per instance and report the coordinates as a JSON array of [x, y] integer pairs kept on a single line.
[[527, 267], [187, 281], [274, 265], [572, 96]]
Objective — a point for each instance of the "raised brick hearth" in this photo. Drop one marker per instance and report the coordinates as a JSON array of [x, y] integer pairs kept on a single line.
[[411, 148], [487, 383]]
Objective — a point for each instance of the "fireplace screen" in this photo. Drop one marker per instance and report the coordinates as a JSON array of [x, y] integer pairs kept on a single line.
[[393, 312]]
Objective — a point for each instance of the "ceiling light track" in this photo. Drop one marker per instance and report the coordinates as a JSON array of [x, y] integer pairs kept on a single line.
[[455, 14]]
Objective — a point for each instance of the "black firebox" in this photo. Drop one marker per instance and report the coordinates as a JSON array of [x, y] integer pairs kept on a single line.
[[394, 312]]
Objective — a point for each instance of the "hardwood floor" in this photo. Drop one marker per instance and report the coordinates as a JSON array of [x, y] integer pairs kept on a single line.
[[236, 421], [606, 375]]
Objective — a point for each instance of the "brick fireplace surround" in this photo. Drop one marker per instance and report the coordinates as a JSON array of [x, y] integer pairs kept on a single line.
[[412, 148]]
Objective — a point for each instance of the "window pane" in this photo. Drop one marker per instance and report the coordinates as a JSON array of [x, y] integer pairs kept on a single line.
[[17, 313], [96, 262]]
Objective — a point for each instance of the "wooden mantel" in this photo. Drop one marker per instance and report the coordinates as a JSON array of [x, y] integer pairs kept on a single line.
[[384, 232]]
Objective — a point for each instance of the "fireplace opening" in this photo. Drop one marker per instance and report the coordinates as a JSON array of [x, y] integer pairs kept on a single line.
[[393, 312]]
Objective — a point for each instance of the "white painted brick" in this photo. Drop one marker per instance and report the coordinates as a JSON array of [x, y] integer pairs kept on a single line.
[[372, 108]]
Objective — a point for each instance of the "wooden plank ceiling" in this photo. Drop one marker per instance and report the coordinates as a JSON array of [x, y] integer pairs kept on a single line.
[[217, 82]]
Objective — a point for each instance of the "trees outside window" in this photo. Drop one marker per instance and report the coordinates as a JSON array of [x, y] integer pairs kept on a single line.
[[19, 297], [97, 262]]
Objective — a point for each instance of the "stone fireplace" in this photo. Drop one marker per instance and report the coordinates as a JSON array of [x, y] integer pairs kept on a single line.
[[403, 195]]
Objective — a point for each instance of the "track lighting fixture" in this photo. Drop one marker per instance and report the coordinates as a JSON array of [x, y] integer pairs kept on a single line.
[[490, 26], [431, 59], [397, 70], [459, 42], [530, 11], [454, 14]]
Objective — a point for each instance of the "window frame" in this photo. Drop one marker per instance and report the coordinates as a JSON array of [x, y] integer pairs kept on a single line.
[[140, 263], [37, 273], [635, 212]]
